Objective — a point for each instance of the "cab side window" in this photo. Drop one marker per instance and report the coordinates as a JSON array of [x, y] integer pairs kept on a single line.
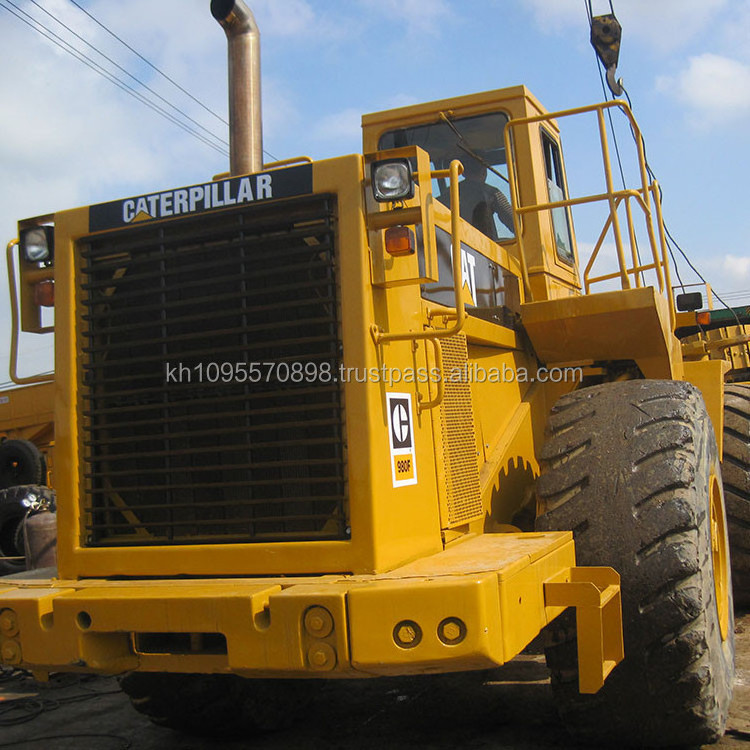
[[556, 190]]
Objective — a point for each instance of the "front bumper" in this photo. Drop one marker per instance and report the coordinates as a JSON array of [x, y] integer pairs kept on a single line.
[[473, 606]]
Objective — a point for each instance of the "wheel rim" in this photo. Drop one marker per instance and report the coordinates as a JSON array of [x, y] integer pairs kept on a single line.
[[719, 555]]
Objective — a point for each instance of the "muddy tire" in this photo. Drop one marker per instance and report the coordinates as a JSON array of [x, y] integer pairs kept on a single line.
[[221, 706], [735, 470], [632, 469], [21, 463]]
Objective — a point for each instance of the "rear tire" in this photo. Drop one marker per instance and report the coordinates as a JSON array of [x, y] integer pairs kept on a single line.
[[736, 472], [21, 463], [632, 469], [212, 705]]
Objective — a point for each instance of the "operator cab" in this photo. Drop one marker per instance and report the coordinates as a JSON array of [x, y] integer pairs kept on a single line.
[[478, 143], [472, 129]]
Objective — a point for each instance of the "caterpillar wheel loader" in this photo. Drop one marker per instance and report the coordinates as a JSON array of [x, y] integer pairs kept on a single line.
[[376, 415]]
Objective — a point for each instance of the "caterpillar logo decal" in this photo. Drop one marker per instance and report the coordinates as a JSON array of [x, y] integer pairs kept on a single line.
[[468, 274], [482, 280], [196, 199], [401, 434]]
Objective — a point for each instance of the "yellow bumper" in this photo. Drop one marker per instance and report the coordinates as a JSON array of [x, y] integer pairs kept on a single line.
[[475, 605]]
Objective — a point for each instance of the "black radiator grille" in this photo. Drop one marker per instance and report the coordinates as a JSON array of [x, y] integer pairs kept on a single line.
[[177, 449]]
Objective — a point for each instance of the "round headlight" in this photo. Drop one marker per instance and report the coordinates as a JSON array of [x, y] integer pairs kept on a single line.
[[391, 180]]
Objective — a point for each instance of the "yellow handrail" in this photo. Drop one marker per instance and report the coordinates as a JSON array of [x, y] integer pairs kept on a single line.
[[433, 335], [643, 195], [14, 324], [382, 337]]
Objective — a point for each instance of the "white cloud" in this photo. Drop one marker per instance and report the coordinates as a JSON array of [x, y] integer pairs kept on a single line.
[[420, 16], [72, 138], [717, 87], [284, 17], [298, 19], [728, 274], [664, 24], [737, 267]]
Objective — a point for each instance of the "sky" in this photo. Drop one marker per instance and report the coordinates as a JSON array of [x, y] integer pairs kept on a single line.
[[69, 137]]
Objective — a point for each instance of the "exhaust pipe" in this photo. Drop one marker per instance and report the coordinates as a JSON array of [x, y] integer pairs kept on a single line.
[[245, 123]]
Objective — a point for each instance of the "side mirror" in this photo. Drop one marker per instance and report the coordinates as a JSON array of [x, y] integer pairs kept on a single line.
[[689, 302]]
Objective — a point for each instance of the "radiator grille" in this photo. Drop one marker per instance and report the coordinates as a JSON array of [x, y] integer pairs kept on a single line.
[[459, 436], [177, 449]]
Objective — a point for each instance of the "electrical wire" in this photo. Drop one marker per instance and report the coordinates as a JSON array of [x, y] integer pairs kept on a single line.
[[130, 75], [742, 294], [86, 60], [82, 57], [148, 62], [22, 710], [671, 242], [157, 69], [670, 238], [607, 97], [18, 711]]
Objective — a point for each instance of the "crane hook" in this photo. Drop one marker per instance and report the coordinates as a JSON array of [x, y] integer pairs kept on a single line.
[[606, 33]]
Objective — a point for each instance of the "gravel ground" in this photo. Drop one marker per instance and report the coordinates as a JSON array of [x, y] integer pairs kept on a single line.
[[511, 707]]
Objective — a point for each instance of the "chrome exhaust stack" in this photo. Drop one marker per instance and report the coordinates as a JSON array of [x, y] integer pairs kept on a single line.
[[245, 122]]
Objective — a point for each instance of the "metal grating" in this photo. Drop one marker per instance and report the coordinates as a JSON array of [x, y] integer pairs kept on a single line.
[[179, 446], [459, 436]]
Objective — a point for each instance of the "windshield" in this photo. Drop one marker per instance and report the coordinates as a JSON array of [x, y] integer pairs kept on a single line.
[[478, 143]]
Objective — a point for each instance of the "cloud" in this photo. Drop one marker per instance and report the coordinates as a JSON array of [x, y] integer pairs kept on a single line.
[[737, 267], [716, 87], [420, 16], [284, 17], [73, 138], [299, 19], [663, 24]]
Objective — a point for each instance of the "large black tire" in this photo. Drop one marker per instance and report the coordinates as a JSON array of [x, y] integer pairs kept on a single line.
[[736, 472], [21, 463], [12, 515], [213, 705], [632, 469]]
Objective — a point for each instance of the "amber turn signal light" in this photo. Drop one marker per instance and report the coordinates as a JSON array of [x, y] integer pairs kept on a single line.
[[399, 241], [703, 318], [44, 294]]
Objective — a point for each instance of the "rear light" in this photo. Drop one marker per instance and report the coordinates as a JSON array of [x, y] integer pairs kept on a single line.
[[44, 294], [703, 318], [399, 241]]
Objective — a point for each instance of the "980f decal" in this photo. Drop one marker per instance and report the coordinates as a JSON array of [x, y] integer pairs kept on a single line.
[[401, 436]]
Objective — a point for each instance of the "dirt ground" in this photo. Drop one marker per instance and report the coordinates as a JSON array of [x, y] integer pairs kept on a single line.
[[511, 707]]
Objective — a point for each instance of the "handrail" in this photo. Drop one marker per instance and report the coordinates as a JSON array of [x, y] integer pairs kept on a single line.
[[646, 193], [380, 336], [14, 324], [286, 162], [433, 335]]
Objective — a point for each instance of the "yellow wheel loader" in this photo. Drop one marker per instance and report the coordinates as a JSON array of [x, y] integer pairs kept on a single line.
[[376, 415]]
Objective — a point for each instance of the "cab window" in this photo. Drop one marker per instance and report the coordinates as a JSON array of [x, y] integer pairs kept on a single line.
[[478, 143], [556, 191]]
